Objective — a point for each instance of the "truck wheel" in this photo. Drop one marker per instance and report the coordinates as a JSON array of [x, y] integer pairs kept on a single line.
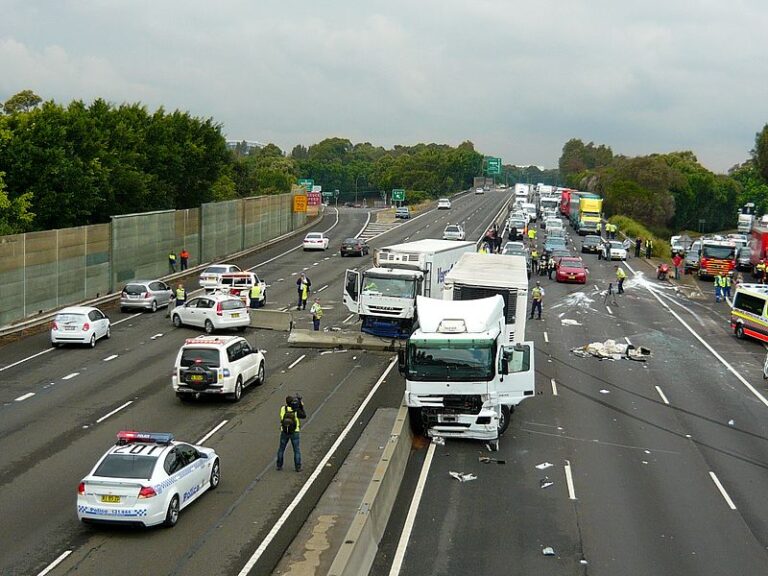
[[739, 331], [506, 416], [417, 425]]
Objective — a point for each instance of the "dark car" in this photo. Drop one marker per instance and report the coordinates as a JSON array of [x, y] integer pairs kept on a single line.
[[354, 247], [591, 244], [554, 243], [744, 259]]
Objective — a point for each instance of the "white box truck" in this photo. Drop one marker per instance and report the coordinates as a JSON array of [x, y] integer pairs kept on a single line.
[[385, 296], [483, 275], [462, 380]]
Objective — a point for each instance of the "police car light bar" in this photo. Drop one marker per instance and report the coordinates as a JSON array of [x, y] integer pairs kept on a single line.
[[128, 436]]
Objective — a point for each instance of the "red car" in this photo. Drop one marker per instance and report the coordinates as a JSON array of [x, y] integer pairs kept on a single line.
[[571, 270]]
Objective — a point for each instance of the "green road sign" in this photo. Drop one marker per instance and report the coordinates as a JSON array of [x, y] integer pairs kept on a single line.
[[307, 183], [398, 195], [494, 166], [327, 193]]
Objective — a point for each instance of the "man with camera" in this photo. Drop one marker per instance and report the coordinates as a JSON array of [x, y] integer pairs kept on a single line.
[[290, 426]]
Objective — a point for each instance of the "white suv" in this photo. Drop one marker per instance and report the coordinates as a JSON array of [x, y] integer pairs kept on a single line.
[[212, 312], [216, 365]]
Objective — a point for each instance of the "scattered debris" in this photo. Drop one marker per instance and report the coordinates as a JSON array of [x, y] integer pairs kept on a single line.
[[548, 551], [463, 476], [487, 460], [583, 562], [731, 422], [545, 482], [569, 322], [604, 391], [544, 465], [612, 350], [438, 440]]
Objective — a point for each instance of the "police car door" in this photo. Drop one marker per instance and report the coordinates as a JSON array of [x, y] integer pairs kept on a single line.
[[517, 380], [351, 296], [192, 480]]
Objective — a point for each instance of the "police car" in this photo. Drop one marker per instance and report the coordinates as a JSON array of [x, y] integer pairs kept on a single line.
[[146, 478]]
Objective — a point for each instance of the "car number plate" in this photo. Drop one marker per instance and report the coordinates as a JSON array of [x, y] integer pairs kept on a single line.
[[447, 418], [236, 315], [110, 499], [70, 327], [196, 377], [571, 276]]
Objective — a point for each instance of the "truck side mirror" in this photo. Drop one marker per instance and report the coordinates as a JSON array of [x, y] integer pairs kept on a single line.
[[504, 366], [401, 361]]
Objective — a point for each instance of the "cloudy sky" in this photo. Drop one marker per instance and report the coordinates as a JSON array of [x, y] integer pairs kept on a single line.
[[517, 78]]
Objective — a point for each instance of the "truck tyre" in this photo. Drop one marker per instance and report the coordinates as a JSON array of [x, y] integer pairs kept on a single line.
[[739, 331], [506, 416], [417, 425]]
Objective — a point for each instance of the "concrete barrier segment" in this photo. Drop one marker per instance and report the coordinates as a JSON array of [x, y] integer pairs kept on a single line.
[[300, 338]]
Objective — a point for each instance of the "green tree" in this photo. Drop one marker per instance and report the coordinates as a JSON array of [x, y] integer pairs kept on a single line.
[[15, 216], [760, 153], [24, 101]]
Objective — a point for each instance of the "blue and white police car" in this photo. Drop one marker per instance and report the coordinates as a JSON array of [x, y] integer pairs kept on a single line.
[[146, 478]]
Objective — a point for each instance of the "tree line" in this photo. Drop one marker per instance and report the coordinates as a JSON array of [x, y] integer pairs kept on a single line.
[[668, 192]]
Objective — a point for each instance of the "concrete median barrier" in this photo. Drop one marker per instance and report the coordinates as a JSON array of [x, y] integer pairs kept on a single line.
[[271, 320], [359, 548], [344, 340]]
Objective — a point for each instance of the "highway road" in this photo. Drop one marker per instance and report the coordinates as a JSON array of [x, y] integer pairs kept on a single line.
[[620, 467], [61, 408]]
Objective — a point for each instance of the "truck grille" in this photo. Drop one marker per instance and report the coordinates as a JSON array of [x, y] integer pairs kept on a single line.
[[453, 403], [385, 310]]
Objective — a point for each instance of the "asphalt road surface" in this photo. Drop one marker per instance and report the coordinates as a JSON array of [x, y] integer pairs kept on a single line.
[[620, 467], [61, 408]]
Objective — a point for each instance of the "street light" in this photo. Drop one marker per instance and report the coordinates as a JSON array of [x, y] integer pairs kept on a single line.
[[356, 179]]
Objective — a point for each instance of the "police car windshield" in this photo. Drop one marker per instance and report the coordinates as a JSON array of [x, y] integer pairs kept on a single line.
[[126, 466], [208, 356]]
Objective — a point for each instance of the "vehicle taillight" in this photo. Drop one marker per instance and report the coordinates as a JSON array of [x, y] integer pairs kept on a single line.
[[86, 327], [81, 488], [54, 326], [218, 309], [147, 492], [146, 294]]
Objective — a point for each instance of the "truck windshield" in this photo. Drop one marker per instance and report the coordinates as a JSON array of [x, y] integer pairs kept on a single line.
[[726, 252], [389, 286], [450, 360]]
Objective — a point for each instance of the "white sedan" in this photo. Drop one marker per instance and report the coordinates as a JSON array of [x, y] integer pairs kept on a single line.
[[613, 250], [443, 204], [146, 478], [211, 276], [315, 241], [79, 325]]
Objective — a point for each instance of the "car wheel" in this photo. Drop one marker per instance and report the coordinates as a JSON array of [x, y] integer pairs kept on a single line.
[[417, 424], [739, 331], [123, 309], [92, 342], [108, 335], [54, 344], [264, 300], [172, 514], [238, 393], [261, 375], [208, 327], [215, 475], [177, 320], [154, 306], [506, 416]]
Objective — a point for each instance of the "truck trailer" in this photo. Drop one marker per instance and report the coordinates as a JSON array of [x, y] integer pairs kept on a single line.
[[385, 295], [590, 214]]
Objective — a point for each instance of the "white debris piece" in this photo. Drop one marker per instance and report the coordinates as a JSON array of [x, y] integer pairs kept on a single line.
[[612, 350], [439, 440], [544, 465], [548, 551], [604, 391], [569, 322], [463, 476], [731, 423]]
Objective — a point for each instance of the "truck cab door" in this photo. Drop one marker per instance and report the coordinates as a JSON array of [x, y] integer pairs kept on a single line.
[[517, 374], [351, 296]]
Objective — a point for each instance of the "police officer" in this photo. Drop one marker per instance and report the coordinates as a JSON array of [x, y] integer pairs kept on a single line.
[[537, 297], [620, 277], [551, 265], [255, 296], [181, 295], [171, 262], [303, 284], [532, 234], [761, 271], [534, 261], [718, 287], [727, 286], [290, 427]]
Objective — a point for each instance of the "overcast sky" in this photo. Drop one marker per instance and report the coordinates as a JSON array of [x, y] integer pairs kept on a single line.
[[517, 78]]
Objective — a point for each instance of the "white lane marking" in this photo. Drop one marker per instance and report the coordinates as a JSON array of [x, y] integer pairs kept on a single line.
[[280, 279], [554, 386], [299, 359], [323, 288], [367, 220], [569, 480], [405, 536], [661, 393], [70, 376], [627, 340], [55, 563], [215, 429], [284, 308], [313, 477], [315, 263], [108, 358], [126, 319], [714, 352], [156, 336], [348, 318], [609, 310], [115, 411], [546, 338], [4, 368], [24, 397], [728, 500]]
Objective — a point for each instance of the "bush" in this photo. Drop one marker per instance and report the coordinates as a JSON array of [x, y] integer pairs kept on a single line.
[[633, 229]]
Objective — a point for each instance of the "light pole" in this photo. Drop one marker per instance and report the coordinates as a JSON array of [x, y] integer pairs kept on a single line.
[[356, 179]]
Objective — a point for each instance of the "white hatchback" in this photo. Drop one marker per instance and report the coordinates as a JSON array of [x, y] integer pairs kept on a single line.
[[443, 204], [79, 325], [453, 232], [315, 241], [212, 312]]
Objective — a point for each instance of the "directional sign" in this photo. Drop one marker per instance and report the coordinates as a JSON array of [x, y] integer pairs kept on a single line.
[[494, 166], [307, 183], [327, 193], [398, 195]]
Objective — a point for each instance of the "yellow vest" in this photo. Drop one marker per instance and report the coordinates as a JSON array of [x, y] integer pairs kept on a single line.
[[536, 292], [620, 274], [255, 292], [282, 415]]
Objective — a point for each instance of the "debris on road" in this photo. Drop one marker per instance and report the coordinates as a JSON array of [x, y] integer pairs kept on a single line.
[[569, 322], [731, 423], [544, 465], [463, 476], [612, 350], [545, 482], [604, 391], [439, 440], [548, 551], [487, 460]]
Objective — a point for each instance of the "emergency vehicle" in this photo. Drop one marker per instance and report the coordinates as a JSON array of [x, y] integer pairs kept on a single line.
[[717, 257], [749, 314], [146, 478], [758, 242]]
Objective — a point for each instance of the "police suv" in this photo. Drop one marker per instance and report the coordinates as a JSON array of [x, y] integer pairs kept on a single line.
[[146, 478]]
